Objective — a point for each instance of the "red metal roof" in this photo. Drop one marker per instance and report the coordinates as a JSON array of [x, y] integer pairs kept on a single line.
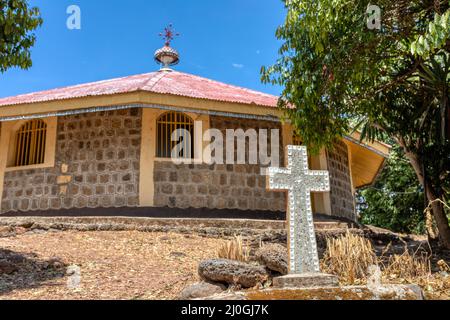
[[175, 83]]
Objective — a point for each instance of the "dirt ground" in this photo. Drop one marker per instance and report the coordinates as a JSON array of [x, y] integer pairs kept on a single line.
[[122, 265], [113, 265]]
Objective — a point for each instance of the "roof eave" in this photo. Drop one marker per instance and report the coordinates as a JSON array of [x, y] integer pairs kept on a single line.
[[133, 98]]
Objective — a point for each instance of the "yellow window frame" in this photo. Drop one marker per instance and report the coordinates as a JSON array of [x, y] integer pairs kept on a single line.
[[8, 142]]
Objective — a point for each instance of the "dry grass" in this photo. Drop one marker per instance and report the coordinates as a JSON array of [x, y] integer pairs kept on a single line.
[[408, 266], [443, 266], [234, 249], [349, 257]]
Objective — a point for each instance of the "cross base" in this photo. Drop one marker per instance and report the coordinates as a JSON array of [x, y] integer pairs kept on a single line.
[[306, 280]]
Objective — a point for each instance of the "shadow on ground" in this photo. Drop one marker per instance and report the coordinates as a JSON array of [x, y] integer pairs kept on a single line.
[[20, 271]]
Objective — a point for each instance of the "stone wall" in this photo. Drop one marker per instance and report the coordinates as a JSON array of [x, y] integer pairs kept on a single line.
[[97, 165], [218, 186], [342, 198], [214, 187]]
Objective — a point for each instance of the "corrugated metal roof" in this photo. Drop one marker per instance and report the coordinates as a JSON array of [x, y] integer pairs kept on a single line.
[[174, 82]]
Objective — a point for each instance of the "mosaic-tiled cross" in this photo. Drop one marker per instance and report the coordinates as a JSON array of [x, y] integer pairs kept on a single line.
[[299, 181]]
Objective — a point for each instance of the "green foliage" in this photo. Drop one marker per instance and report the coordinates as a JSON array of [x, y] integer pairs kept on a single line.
[[396, 200], [17, 21], [392, 82], [320, 67], [334, 69], [435, 38]]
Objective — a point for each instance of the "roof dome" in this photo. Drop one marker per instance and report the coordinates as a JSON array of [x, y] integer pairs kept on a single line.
[[167, 56]]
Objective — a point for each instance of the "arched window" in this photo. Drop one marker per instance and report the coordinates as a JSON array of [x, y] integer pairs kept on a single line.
[[30, 143], [167, 124]]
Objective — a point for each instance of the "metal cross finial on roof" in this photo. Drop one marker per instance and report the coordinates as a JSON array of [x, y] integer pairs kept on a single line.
[[167, 56], [169, 34]]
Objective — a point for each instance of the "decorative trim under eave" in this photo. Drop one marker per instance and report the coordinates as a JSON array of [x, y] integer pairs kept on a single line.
[[144, 106]]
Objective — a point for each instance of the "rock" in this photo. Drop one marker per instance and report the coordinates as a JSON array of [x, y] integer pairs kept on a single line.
[[26, 224], [53, 263], [39, 227], [232, 272], [6, 231], [274, 257], [390, 292], [178, 255], [38, 231], [20, 230], [226, 296], [56, 263], [73, 270], [17, 258], [201, 290], [306, 280], [7, 267]]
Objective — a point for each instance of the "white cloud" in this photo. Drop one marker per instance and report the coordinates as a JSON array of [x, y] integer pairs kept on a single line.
[[237, 65]]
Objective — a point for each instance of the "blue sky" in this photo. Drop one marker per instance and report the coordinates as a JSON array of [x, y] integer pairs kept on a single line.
[[225, 40]]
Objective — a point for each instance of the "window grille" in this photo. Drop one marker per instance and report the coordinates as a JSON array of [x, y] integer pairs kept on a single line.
[[167, 124], [30, 143]]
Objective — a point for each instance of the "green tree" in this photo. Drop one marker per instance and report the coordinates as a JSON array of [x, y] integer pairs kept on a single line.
[[17, 22], [394, 81], [396, 200]]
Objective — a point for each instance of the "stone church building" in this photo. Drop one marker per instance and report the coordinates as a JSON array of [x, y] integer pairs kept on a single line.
[[105, 145]]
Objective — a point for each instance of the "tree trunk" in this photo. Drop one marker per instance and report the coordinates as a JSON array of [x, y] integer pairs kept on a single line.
[[437, 208], [441, 218], [430, 226]]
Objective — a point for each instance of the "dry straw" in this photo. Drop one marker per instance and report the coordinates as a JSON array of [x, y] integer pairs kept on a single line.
[[234, 250], [408, 266], [349, 257]]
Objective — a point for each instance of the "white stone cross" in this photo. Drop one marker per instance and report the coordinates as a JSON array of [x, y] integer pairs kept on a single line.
[[299, 181]]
